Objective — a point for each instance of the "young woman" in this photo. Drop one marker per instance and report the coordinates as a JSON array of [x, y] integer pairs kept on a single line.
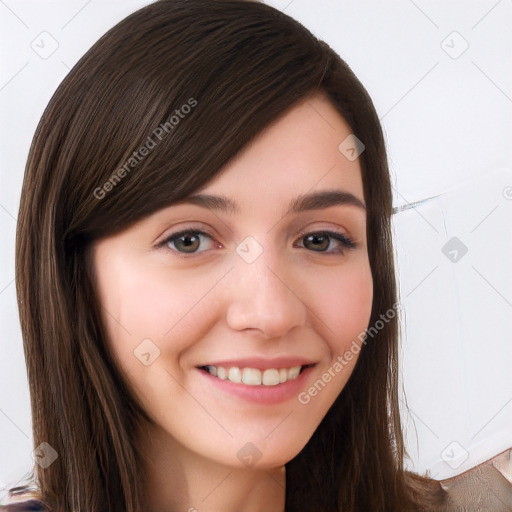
[[203, 247]]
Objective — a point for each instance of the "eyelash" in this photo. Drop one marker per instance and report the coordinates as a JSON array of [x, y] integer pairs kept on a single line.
[[345, 241]]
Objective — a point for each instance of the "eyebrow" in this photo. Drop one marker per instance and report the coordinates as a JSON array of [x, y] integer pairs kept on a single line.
[[302, 203]]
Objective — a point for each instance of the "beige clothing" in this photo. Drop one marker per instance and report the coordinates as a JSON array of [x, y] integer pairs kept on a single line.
[[484, 488]]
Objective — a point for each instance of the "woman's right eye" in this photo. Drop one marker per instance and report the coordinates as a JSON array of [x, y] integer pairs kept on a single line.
[[186, 241]]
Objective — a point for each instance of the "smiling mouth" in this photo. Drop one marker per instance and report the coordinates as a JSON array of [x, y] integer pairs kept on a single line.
[[254, 376]]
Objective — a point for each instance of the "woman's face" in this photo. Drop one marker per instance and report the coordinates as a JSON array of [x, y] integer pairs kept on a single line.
[[255, 294]]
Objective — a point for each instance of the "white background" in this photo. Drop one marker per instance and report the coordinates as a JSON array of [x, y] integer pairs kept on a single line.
[[440, 75]]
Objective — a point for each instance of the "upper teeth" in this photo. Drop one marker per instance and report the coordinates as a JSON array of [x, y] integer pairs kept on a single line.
[[253, 376]]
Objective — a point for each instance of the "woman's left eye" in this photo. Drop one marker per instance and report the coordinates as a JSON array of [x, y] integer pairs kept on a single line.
[[322, 240], [188, 241]]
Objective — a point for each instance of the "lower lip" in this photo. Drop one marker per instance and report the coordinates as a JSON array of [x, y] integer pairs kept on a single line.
[[261, 394]]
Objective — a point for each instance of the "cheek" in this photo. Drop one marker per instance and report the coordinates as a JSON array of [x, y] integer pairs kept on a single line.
[[342, 301], [150, 316], [142, 303]]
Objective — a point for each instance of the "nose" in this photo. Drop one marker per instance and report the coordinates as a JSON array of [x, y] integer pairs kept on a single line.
[[264, 296]]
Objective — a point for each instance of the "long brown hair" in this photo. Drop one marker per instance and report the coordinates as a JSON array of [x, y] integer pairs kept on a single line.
[[239, 65]]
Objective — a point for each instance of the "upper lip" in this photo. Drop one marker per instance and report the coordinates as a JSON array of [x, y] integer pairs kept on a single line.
[[261, 363]]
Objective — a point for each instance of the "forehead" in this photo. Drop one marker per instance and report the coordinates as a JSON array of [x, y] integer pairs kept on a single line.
[[300, 153]]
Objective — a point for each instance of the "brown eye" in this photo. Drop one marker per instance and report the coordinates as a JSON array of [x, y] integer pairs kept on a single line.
[[185, 242], [320, 241], [315, 241]]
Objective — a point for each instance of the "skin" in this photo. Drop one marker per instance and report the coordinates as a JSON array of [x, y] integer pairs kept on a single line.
[[294, 299]]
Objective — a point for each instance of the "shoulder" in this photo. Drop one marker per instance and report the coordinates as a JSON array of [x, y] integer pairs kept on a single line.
[[485, 487], [30, 505], [23, 499]]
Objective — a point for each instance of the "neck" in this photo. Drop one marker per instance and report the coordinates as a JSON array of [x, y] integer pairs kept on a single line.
[[179, 480]]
